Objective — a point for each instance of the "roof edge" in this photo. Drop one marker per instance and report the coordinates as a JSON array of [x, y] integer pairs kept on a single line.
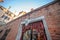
[[53, 2]]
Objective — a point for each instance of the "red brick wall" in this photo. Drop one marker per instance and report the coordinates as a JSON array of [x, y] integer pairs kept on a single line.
[[14, 29], [51, 13]]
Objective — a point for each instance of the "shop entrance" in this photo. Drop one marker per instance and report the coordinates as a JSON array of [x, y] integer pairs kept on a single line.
[[34, 31]]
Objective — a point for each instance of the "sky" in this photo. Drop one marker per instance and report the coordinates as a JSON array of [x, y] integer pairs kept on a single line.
[[23, 5]]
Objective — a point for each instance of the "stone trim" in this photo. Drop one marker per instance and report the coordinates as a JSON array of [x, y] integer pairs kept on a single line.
[[27, 21]]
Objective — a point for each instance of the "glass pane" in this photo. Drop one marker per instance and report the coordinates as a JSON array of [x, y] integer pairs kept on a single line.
[[27, 35], [34, 34]]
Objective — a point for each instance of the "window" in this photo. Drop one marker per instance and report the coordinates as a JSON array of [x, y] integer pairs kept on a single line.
[[59, 3], [1, 8], [1, 31], [5, 34], [2, 16], [34, 35], [30, 35], [8, 18], [27, 35], [5, 17]]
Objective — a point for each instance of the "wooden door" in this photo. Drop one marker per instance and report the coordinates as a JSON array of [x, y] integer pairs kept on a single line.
[[33, 31]]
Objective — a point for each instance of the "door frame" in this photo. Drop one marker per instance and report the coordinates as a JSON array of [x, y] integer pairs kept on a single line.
[[27, 21]]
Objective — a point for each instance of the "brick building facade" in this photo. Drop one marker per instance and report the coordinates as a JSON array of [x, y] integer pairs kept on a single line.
[[51, 13]]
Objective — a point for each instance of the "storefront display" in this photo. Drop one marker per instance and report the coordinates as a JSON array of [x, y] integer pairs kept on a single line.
[[34, 31]]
